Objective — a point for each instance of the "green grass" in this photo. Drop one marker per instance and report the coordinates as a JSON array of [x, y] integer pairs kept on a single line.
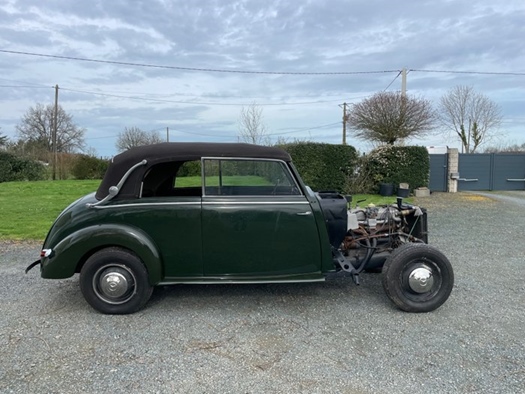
[[376, 199], [190, 181], [27, 209]]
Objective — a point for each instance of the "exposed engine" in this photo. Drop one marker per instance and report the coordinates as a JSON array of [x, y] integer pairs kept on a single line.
[[379, 230], [362, 238]]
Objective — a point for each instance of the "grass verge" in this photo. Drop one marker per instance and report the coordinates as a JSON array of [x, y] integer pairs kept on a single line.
[[27, 209]]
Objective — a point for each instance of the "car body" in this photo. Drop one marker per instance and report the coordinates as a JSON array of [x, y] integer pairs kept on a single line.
[[189, 213]]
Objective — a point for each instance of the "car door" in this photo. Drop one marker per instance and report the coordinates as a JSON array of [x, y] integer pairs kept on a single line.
[[255, 221]]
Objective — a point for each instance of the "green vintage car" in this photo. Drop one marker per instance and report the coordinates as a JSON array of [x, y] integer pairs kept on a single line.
[[192, 213]]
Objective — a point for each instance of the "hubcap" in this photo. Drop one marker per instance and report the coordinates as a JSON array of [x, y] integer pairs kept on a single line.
[[421, 280], [114, 284]]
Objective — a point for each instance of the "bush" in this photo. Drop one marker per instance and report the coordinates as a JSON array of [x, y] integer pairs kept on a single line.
[[15, 168], [89, 167], [396, 164], [323, 166]]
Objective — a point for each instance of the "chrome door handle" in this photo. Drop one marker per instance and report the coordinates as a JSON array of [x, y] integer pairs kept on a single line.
[[304, 213]]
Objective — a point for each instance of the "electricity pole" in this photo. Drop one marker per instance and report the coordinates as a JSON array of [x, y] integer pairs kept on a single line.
[[345, 118], [404, 82], [54, 135], [167, 134]]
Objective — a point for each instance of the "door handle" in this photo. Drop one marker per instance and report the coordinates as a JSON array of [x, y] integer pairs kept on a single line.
[[304, 213]]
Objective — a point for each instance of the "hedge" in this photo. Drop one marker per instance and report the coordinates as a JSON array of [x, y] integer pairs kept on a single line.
[[323, 166], [396, 164], [89, 167], [15, 168]]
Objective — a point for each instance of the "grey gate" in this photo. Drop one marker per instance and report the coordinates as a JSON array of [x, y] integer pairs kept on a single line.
[[491, 171], [508, 172], [475, 171], [438, 172]]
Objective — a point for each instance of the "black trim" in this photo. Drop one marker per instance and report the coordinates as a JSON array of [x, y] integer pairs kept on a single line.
[[32, 265]]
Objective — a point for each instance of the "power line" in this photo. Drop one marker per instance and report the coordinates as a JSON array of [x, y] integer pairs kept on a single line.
[[197, 102], [224, 135], [390, 84], [180, 101], [83, 59], [25, 86], [470, 72]]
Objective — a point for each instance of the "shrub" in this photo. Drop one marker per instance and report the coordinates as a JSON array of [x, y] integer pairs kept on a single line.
[[15, 168], [323, 166], [89, 167], [396, 164]]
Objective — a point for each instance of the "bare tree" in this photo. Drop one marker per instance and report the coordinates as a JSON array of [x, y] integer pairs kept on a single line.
[[134, 136], [37, 126], [390, 117], [505, 148], [471, 115], [251, 126]]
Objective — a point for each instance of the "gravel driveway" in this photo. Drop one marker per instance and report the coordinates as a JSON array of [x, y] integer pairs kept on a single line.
[[330, 337]]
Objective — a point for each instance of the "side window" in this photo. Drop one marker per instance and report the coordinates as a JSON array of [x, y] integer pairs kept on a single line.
[[188, 175], [247, 178], [173, 179]]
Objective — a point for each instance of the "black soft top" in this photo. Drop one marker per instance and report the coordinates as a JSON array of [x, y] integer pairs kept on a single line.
[[175, 151]]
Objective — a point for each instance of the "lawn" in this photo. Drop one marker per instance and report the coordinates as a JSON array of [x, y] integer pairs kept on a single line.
[[27, 209]]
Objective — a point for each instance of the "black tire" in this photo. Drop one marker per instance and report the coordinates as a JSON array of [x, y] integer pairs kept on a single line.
[[115, 281], [417, 278]]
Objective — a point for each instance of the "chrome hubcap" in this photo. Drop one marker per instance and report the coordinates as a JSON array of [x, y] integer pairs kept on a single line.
[[114, 284], [421, 280]]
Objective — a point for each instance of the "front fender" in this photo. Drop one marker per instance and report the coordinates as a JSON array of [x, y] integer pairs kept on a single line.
[[64, 259]]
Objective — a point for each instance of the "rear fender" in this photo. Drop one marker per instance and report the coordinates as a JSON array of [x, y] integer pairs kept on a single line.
[[64, 260]]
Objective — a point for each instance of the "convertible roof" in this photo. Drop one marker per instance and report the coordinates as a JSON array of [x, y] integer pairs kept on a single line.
[[175, 151]]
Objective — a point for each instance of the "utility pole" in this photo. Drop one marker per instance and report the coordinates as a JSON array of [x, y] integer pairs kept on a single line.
[[54, 136], [167, 134], [404, 82], [345, 118]]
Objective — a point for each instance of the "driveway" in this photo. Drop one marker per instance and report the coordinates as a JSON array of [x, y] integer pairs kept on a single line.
[[331, 337]]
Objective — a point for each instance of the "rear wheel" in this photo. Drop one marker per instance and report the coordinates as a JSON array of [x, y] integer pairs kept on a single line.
[[418, 277], [115, 281]]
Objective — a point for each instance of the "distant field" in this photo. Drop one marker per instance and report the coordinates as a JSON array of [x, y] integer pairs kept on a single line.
[[27, 209]]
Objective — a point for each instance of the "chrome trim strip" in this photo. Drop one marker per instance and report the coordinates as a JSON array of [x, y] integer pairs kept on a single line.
[[234, 282], [254, 202], [147, 204]]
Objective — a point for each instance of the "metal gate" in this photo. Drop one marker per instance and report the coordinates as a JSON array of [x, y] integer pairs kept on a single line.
[[438, 172], [491, 171], [508, 172]]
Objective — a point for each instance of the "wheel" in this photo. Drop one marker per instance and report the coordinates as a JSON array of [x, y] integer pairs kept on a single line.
[[417, 277], [115, 281]]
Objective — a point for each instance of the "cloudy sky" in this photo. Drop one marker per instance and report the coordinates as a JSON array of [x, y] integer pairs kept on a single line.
[[299, 60]]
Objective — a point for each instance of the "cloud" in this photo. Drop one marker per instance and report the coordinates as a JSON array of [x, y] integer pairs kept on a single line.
[[307, 36]]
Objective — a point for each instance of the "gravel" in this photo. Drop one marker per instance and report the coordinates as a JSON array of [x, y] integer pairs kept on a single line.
[[316, 338]]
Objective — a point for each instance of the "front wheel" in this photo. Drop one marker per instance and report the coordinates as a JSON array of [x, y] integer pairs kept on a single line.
[[115, 281], [418, 277]]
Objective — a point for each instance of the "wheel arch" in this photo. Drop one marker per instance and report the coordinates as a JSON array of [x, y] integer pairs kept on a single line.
[[72, 252]]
